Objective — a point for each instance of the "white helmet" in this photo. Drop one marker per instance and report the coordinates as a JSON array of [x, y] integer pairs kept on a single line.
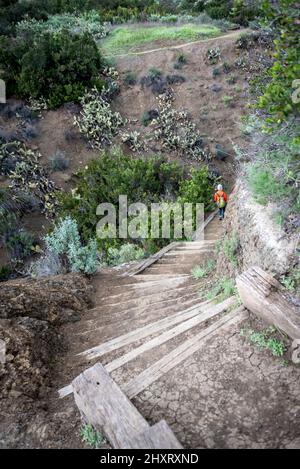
[[220, 187]]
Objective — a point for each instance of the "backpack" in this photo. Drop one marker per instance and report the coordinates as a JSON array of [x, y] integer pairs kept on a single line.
[[221, 201]]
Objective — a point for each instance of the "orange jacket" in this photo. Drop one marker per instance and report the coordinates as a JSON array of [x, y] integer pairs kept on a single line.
[[219, 194]]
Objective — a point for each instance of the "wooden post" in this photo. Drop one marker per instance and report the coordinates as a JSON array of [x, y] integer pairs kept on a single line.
[[263, 295]]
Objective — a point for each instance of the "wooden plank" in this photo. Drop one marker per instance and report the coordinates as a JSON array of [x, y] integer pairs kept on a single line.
[[162, 309], [199, 234], [160, 436], [147, 262], [141, 332], [137, 334], [103, 405], [167, 335], [65, 391], [147, 277], [262, 294], [178, 355], [149, 292], [135, 270]]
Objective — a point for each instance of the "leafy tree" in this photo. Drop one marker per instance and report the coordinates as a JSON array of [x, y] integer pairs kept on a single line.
[[244, 11], [277, 100], [147, 181], [218, 9], [57, 66]]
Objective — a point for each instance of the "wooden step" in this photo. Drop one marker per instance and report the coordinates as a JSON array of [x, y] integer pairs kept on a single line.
[[194, 244], [153, 293], [168, 335], [142, 332], [189, 249], [98, 328], [180, 260], [138, 306], [181, 353], [145, 276], [160, 269], [137, 334]]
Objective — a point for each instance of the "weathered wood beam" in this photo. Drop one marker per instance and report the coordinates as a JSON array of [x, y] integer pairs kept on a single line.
[[264, 296], [103, 405]]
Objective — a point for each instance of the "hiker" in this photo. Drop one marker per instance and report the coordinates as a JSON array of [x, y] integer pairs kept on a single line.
[[221, 201]]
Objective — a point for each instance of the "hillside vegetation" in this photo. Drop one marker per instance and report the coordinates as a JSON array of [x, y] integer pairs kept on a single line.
[[128, 38], [53, 53]]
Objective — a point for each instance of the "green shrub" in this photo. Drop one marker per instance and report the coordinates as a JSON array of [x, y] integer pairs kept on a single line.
[[218, 9], [218, 247], [169, 19], [230, 248], [59, 161], [228, 101], [97, 121], [291, 281], [216, 72], [232, 80], [181, 60], [227, 67], [65, 252], [199, 272], [148, 181], [126, 253], [223, 289], [237, 89], [274, 174], [265, 340], [91, 436], [277, 98], [56, 66], [265, 186], [149, 116], [5, 272], [113, 174], [213, 55], [89, 22], [198, 188], [130, 78], [19, 244], [244, 11], [154, 73]]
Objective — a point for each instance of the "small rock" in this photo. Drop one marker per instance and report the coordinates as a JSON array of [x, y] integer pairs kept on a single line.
[[221, 152], [216, 88], [15, 394]]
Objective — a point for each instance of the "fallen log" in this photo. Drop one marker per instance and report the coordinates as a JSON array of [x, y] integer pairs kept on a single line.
[[264, 296]]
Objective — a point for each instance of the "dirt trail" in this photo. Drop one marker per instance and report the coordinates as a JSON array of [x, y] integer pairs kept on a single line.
[[183, 359], [233, 35]]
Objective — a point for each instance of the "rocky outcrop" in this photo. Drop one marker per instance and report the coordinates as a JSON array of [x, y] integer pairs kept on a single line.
[[56, 299], [30, 314]]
